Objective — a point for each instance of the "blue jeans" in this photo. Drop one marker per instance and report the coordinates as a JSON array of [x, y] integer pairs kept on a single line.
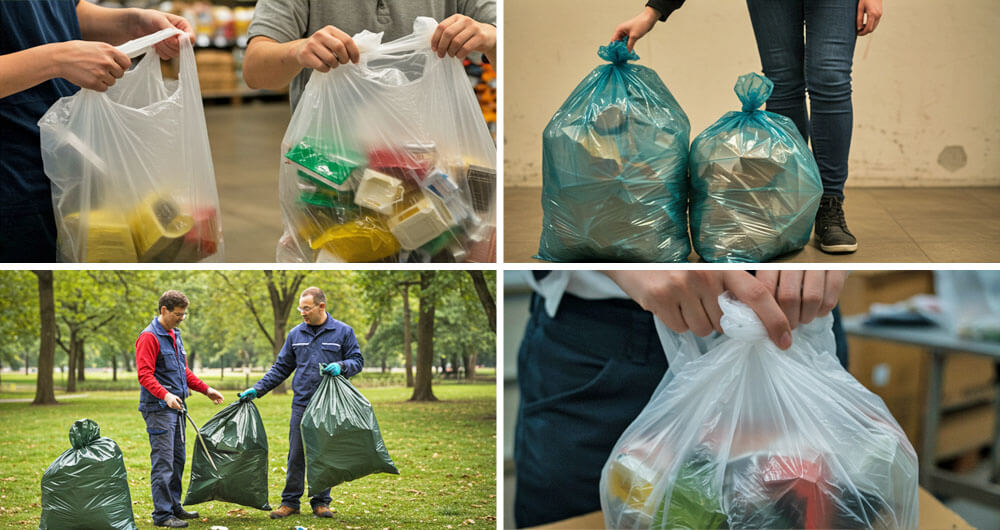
[[818, 63], [295, 477], [166, 441]]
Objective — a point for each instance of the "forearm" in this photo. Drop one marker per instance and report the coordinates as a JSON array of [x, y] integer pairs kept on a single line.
[[270, 64], [24, 69], [111, 25]]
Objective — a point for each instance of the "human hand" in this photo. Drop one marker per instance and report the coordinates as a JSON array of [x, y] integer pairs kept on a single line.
[[149, 21], [869, 13], [688, 300], [214, 395], [458, 35], [332, 369], [636, 27], [173, 401], [90, 64], [328, 48], [804, 295], [248, 394]]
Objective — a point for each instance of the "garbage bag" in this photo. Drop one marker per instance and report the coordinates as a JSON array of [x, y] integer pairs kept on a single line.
[[755, 186], [86, 487], [131, 170], [749, 436], [237, 444], [341, 437], [389, 159], [614, 168]]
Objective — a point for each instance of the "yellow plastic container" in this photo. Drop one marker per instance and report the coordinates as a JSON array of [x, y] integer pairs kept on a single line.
[[158, 224], [363, 240], [108, 239]]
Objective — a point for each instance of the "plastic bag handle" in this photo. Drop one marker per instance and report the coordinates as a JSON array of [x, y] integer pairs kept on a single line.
[[136, 47], [370, 44]]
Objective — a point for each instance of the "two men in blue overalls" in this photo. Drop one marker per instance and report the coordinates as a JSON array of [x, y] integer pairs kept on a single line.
[[318, 339], [166, 379]]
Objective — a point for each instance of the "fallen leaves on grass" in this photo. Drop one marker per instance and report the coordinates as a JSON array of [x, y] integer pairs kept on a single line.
[[238, 512]]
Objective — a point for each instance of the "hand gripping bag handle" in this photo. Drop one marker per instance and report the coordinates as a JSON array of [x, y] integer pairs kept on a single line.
[[188, 71], [370, 44], [138, 46]]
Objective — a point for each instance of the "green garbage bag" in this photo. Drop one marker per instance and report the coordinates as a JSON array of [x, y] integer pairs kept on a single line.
[[237, 443], [86, 487], [341, 437]]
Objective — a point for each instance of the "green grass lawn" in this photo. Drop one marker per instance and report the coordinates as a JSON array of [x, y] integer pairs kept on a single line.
[[445, 452]]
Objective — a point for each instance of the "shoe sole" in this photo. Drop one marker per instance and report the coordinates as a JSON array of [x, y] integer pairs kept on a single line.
[[839, 249], [281, 516]]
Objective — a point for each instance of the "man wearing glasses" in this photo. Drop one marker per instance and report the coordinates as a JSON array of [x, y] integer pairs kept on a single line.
[[165, 379], [318, 339]]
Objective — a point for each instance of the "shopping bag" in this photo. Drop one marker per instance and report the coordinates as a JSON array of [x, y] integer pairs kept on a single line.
[[614, 168], [389, 159], [86, 487], [755, 186], [340, 436], [235, 466], [131, 170], [749, 436]]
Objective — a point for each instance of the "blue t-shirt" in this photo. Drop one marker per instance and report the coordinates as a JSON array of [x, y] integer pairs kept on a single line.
[[25, 24]]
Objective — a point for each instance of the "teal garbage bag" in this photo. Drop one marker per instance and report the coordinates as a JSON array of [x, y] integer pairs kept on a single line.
[[341, 437], [236, 441], [86, 487], [755, 186], [614, 168]]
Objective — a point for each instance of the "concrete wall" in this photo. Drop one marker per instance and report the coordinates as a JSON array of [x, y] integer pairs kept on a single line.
[[926, 83]]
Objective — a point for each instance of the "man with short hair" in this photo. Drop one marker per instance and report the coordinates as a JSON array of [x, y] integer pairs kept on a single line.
[[165, 379], [319, 339]]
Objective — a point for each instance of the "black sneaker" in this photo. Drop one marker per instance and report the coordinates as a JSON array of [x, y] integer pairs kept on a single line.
[[831, 228], [172, 522], [184, 514]]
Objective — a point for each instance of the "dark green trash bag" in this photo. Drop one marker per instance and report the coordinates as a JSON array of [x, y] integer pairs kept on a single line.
[[237, 443], [86, 486], [341, 437]]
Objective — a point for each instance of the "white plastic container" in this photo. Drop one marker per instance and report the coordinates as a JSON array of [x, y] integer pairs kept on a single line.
[[378, 191], [420, 223]]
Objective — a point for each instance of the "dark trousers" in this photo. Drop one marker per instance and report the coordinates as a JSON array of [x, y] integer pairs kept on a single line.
[[583, 376], [819, 63], [295, 477], [28, 234], [166, 455]]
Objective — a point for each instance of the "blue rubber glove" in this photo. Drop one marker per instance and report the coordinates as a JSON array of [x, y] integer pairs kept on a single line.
[[332, 369], [248, 394]]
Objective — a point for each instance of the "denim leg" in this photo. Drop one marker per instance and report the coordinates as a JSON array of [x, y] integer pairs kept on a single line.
[[164, 429], [179, 457], [830, 39], [295, 477], [777, 27]]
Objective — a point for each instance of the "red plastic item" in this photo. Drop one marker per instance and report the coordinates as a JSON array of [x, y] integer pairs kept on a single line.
[[804, 479], [200, 241], [400, 163]]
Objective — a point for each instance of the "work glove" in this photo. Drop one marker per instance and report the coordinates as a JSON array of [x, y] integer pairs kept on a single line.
[[332, 369], [248, 394]]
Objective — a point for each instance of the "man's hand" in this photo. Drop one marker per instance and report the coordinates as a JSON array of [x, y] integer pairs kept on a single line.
[[214, 395], [688, 300], [173, 401], [332, 369], [636, 27], [459, 35], [248, 394], [148, 21], [93, 65], [804, 295], [869, 13], [328, 48]]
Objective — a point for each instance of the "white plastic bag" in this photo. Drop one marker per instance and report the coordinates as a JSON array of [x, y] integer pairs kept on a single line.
[[388, 159], [970, 303], [131, 170], [749, 436]]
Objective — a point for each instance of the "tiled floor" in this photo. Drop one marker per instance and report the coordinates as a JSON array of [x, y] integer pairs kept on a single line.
[[891, 224]]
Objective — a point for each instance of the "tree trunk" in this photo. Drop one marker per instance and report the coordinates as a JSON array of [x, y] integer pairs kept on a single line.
[[407, 337], [71, 355], [455, 366], [114, 368], [470, 366], [384, 363], [485, 298], [422, 390], [279, 340], [44, 390], [80, 364], [27, 362]]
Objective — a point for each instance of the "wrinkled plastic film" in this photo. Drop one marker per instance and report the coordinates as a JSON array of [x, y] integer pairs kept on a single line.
[[755, 186], [614, 168], [749, 436], [131, 170], [388, 160]]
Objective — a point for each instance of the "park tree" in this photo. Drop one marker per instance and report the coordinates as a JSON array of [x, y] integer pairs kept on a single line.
[[86, 302], [379, 290], [44, 391], [18, 317]]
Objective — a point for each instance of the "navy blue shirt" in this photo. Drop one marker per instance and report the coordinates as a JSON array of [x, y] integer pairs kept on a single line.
[[25, 24], [304, 349]]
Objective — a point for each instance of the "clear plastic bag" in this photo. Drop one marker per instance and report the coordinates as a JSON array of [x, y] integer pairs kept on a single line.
[[131, 169], [749, 436], [970, 303], [755, 186], [614, 168], [388, 160]]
